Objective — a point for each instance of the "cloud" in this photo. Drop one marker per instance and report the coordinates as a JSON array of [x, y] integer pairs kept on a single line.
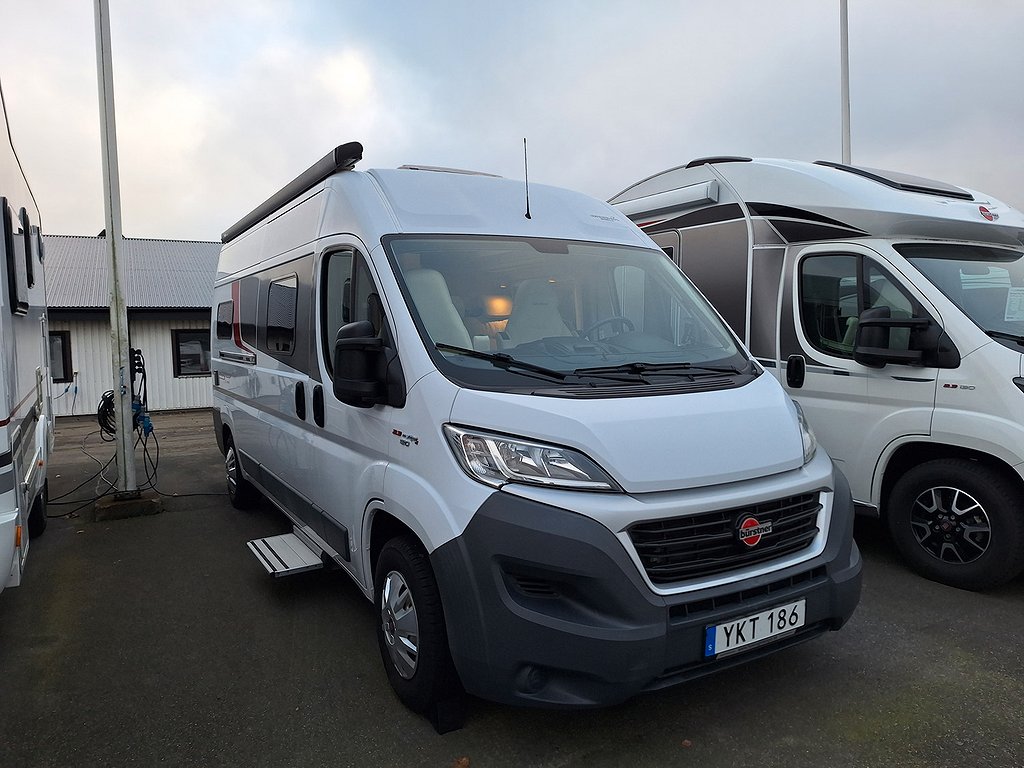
[[220, 104]]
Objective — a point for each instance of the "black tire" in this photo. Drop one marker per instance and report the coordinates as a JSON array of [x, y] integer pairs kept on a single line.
[[956, 522], [408, 605], [37, 516], [241, 493]]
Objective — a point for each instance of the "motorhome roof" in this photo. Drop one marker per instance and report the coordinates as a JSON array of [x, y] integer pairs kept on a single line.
[[878, 203]]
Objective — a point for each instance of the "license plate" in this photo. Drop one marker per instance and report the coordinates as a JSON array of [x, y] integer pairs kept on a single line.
[[723, 638]]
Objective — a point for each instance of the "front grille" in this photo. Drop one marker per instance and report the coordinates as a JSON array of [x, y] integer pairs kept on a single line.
[[683, 548]]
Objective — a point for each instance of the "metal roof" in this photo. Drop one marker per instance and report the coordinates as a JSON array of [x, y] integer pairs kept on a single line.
[[159, 274]]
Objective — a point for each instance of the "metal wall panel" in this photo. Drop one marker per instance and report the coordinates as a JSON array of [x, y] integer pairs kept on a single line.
[[91, 358]]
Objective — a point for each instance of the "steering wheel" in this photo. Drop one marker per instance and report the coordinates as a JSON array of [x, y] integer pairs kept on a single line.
[[625, 322]]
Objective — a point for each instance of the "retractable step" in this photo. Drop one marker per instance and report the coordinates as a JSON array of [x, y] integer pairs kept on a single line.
[[284, 555]]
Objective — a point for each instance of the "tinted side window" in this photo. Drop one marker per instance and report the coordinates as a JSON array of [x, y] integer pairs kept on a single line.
[[225, 318], [281, 303]]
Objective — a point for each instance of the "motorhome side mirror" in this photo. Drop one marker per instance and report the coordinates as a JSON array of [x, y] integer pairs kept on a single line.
[[871, 347], [358, 365]]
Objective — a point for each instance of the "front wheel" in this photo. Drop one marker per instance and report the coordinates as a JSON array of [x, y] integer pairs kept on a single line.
[[955, 521], [410, 627]]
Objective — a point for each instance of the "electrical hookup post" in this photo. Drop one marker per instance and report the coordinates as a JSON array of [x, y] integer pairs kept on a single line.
[[126, 500]]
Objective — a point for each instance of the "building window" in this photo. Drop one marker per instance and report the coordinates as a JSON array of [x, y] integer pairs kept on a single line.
[[191, 353], [60, 357]]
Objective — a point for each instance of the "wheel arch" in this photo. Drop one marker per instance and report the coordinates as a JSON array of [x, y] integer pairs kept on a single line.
[[912, 454], [383, 527]]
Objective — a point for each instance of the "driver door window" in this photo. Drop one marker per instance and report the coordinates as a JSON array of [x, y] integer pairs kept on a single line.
[[348, 294], [835, 289]]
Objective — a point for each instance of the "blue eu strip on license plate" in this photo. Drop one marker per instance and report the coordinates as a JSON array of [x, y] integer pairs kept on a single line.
[[755, 628]]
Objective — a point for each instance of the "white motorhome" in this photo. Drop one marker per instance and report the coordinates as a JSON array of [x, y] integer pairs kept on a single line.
[[532, 444], [26, 426], [892, 308]]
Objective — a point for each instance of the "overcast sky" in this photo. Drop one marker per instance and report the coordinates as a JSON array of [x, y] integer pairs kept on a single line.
[[221, 102]]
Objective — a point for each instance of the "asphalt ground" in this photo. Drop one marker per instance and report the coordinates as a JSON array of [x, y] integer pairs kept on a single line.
[[160, 641]]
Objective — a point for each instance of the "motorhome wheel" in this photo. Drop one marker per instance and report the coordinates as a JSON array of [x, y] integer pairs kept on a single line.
[[410, 627], [954, 521], [241, 493], [37, 517]]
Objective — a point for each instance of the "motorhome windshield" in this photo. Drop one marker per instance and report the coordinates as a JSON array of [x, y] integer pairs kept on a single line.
[[547, 313], [986, 283]]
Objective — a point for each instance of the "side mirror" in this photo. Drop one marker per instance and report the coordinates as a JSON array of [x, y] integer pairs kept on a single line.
[[796, 370], [871, 347], [366, 372]]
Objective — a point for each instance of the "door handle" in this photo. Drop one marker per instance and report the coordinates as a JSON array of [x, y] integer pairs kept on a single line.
[[318, 405], [300, 401]]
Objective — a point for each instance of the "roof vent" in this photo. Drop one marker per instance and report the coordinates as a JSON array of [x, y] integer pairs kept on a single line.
[[903, 181], [716, 160], [439, 169]]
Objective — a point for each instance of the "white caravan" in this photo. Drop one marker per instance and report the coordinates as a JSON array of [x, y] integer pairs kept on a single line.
[[527, 438], [892, 308], [26, 426]]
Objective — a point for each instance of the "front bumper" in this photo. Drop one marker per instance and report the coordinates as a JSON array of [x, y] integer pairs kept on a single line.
[[544, 607]]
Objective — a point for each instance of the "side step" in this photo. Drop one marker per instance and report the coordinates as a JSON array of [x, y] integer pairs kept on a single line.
[[284, 555]]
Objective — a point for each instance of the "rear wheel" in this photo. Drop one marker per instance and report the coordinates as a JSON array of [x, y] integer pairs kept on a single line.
[[955, 521], [241, 493], [411, 631], [37, 517]]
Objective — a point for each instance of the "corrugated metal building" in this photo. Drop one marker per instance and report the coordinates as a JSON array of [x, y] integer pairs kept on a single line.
[[168, 289]]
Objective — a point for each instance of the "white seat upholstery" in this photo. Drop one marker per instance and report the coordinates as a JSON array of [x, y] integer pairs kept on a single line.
[[434, 305], [535, 314]]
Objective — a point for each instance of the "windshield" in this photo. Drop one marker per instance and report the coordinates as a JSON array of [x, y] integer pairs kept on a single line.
[[499, 311], [986, 283]]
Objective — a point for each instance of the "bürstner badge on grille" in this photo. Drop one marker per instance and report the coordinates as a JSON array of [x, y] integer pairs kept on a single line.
[[750, 530]]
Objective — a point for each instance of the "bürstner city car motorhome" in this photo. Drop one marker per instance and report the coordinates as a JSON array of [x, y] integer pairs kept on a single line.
[[522, 432], [26, 428], [892, 307]]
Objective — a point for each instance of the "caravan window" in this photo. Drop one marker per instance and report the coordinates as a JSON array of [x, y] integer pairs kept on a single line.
[[14, 245], [281, 301], [225, 319]]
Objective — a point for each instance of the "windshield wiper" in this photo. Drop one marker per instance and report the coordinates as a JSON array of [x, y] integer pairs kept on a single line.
[[645, 369], [501, 360], [1008, 336]]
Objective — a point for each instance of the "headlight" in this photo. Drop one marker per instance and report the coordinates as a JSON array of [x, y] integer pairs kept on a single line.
[[806, 434], [499, 459]]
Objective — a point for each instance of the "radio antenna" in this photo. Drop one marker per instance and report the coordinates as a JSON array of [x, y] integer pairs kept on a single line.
[[526, 167]]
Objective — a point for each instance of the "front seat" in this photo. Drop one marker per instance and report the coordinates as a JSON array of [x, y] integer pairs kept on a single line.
[[534, 314], [435, 307]]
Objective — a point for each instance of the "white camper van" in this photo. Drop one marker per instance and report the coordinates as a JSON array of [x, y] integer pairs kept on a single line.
[[26, 427], [892, 308], [532, 444]]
